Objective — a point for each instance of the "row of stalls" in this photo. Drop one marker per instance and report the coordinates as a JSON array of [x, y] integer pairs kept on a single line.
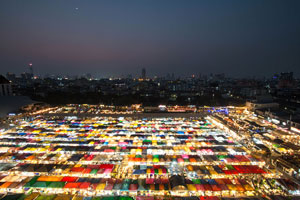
[[180, 148], [126, 156], [117, 140], [111, 170], [176, 183], [38, 196]]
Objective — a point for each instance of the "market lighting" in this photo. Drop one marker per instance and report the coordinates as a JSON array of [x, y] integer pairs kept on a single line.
[[142, 149]]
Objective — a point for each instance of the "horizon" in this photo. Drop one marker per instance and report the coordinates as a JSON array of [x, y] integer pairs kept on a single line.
[[138, 75]]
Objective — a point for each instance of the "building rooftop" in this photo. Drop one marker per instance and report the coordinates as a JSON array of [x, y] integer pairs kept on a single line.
[[3, 80]]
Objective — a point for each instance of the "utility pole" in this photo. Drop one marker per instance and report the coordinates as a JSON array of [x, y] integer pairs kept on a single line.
[[290, 124]]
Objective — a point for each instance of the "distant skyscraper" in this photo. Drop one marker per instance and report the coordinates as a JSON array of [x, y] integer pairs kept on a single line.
[[286, 80], [288, 76], [11, 76], [30, 70], [143, 73]]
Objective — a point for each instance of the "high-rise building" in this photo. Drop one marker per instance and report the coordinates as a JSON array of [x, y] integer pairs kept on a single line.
[[30, 70], [286, 80], [143, 73], [286, 76]]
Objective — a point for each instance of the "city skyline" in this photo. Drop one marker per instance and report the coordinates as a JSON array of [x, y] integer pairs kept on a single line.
[[104, 38], [29, 69]]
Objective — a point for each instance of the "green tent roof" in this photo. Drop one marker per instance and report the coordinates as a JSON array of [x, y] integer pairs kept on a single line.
[[46, 197], [57, 184], [94, 171], [41, 184], [196, 181], [31, 182], [96, 198], [110, 198], [125, 198]]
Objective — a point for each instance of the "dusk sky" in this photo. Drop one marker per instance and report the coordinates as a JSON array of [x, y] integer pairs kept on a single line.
[[239, 38]]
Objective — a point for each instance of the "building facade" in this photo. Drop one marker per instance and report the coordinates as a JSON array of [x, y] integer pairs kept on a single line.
[[5, 87]]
